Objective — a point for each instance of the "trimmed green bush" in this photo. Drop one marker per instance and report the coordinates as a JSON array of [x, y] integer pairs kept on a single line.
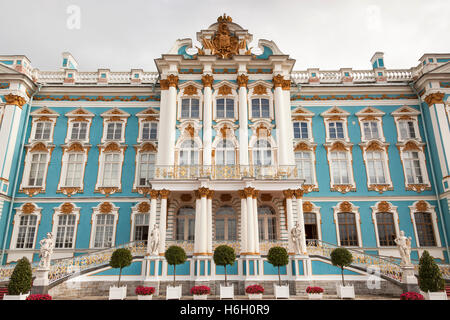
[[175, 255], [342, 258], [121, 258], [278, 257], [21, 278], [430, 277], [224, 255]]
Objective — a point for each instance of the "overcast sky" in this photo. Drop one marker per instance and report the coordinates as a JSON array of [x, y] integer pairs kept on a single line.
[[326, 34]]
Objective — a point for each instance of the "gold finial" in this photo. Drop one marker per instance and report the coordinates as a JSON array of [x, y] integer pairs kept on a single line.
[[224, 18]]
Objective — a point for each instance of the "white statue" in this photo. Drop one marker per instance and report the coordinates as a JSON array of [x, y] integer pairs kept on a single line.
[[296, 234], [154, 240], [45, 254], [404, 246]]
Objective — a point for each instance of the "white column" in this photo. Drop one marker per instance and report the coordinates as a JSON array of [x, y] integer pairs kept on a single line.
[[203, 221], [163, 130], [171, 124], [250, 222], [280, 116], [209, 222], [255, 220], [243, 121], [288, 194], [300, 219], [207, 120], [244, 231], [287, 125], [197, 236], [162, 221]]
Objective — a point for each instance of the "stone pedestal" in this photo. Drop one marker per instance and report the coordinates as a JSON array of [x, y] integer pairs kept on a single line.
[[41, 282], [409, 280], [298, 267], [150, 272]]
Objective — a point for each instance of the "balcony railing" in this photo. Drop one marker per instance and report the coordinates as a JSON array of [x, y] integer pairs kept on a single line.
[[225, 172]]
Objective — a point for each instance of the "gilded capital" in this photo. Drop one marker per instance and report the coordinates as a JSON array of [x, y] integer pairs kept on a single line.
[[154, 194], [210, 194], [298, 193], [207, 80], [248, 191], [14, 99], [164, 193], [164, 84], [433, 98], [203, 191], [242, 194], [288, 194], [242, 80], [173, 80], [286, 85], [255, 194], [278, 80]]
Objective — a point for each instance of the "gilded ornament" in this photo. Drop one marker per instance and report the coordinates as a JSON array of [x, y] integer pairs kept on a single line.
[[298, 193], [190, 90], [106, 207], [223, 44], [164, 193], [190, 130], [144, 207], [384, 206], [14, 99], [154, 194], [148, 147], [112, 147], [203, 191], [207, 80], [307, 206], [67, 208], [248, 191], [28, 208], [173, 80], [278, 80], [39, 147], [242, 80], [434, 98], [345, 206], [224, 90], [422, 206], [288, 194], [260, 90], [164, 84], [75, 147]]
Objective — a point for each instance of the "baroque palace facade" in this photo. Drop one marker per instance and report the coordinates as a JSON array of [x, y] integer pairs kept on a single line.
[[225, 145]]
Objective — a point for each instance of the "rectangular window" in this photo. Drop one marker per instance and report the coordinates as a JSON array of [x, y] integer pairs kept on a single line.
[[111, 170], [220, 229], [141, 222], [146, 168], [225, 108], [79, 130], [407, 130], [74, 170], [114, 131], [301, 130], [412, 167], [425, 232], [371, 130], [37, 170], [149, 131], [304, 165], [43, 130], [375, 164], [27, 229], [336, 130], [260, 108], [104, 231], [190, 108], [231, 229], [339, 167], [65, 231]]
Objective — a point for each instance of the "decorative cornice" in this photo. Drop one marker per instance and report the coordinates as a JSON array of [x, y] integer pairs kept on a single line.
[[99, 98], [434, 98]]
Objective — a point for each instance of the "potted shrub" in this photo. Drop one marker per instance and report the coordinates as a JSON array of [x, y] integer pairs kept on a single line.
[[411, 296], [255, 292], [120, 258], [342, 258], [200, 292], [314, 293], [174, 255], [224, 255], [430, 278], [278, 257], [39, 297], [144, 293], [19, 285]]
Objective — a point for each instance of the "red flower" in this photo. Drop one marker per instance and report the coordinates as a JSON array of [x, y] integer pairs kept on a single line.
[[411, 296], [144, 291], [254, 289], [200, 290], [314, 290], [39, 297]]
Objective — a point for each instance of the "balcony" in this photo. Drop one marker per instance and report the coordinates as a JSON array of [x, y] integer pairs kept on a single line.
[[229, 172]]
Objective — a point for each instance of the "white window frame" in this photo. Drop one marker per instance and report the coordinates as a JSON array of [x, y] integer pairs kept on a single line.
[[423, 168], [251, 95], [335, 115], [141, 131], [56, 214], [36, 123], [354, 210], [114, 115], [65, 168], [316, 210], [431, 209], [312, 161], [190, 98], [138, 166], [393, 210], [95, 213], [27, 169], [78, 115], [16, 222], [135, 211], [406, 114], [271, 149], [101, 169], [300, 129]]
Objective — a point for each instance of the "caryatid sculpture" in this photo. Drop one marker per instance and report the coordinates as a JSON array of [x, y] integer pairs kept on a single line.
[[154, 240], [46, 251], [404, 246]]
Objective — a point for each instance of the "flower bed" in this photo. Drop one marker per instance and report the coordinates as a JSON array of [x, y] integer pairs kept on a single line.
[[411, 296], [39, 297], [254, 289], [144, 291], [200, 290], [314, 290]]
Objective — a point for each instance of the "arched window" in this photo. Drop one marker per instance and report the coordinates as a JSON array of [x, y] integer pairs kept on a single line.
[[267, 223], [386, 228], [225, 223], [310, 226], [189, 153], [347, 229], [262, 153], [225, 154], [425, 231], [185, 224]]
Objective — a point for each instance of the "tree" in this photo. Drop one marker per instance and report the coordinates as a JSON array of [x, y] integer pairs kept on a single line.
[[175, 255], [121, 258], [430, 277], [21, 278], [342, 258], [278, 257], [224, 255]]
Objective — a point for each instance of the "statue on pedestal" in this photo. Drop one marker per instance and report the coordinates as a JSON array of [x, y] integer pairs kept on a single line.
[[154, 240], [46, 251], [404, 246], [296, 234]]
